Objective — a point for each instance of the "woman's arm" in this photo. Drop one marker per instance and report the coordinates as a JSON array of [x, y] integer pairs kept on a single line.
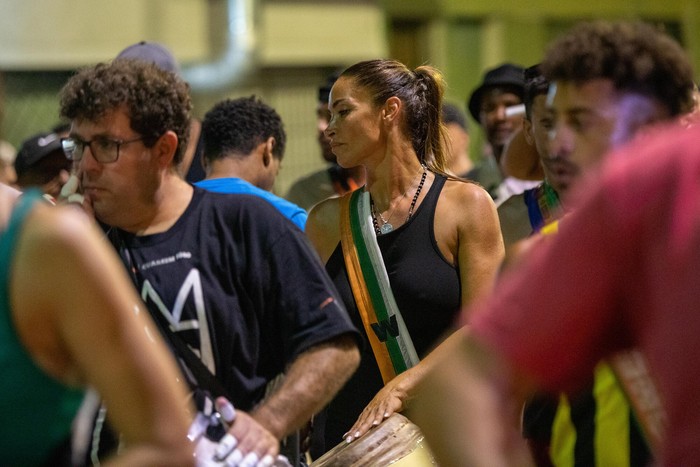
[[323, 227], [80, 318]]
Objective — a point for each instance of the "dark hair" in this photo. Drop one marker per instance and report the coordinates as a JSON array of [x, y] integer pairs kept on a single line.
[[156, 100], [421, 92], [237, 126], [535, 85], [324, 91], [452, 114], [635, 56]]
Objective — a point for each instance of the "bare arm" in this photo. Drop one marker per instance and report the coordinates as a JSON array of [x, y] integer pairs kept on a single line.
[[310, 383], [87, 326], [468, 407], [323, 227]]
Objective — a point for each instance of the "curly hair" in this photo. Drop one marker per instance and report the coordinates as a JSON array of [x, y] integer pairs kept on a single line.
[[156, 100], [635, 56], [237, 126], [421, 92]]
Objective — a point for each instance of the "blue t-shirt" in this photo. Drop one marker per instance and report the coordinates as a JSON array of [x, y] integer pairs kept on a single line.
[[236, 185]]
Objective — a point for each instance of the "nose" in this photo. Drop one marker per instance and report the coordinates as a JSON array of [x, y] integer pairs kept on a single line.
[[330, 129], [88, 163], [322, 124], [561, 141], [499, 112]]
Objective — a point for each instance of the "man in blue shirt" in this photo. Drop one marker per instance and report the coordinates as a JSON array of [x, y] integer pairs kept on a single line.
[[244, 143]]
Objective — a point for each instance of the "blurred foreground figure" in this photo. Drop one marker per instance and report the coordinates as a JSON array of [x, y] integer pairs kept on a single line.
[[69, 319], [630, 281]]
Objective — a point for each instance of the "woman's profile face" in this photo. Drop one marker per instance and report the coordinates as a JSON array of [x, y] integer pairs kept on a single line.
[[355, 129]]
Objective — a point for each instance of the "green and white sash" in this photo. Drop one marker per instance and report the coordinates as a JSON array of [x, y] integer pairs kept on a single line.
[[381, 317]]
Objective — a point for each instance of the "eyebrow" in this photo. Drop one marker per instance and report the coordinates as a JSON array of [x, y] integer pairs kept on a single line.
[[338, 101]]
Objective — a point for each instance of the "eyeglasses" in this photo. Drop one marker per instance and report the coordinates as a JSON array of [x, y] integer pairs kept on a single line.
[[104, 150]]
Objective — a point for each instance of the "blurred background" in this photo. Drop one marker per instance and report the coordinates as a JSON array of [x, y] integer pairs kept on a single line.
[[282, 50]]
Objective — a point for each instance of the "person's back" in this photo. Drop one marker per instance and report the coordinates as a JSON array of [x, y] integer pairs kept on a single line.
[[57, 342], [244, 141], [39, 407]]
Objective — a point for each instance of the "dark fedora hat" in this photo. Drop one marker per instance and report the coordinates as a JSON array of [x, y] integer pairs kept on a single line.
[[506, 75]]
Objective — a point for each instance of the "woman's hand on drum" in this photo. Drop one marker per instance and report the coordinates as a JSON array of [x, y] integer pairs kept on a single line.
[[392, 398]]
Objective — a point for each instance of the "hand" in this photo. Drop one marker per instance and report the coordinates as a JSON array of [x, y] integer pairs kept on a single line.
[[390, 399], [247, 443], [70, 195]]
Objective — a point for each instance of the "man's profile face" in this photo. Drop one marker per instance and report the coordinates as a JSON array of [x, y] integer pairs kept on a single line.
[[592, 118], [117, 189], [559, 171], [492, 116], [323, 116]]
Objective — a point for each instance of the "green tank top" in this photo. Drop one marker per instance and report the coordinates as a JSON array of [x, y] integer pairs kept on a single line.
[[36, 410]]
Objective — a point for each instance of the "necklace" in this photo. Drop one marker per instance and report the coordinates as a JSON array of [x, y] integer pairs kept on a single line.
[[386, 226]]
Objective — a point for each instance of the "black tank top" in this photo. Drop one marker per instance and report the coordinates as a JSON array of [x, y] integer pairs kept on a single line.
[[427, 291]]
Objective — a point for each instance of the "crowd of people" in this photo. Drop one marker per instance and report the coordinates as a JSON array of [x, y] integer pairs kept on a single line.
[[533, 305]]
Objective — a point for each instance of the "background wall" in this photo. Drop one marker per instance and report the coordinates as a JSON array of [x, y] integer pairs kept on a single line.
[[294, 44]]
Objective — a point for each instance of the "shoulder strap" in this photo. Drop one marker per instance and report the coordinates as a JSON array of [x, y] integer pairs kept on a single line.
[[192, 367], [381, 317], [8, 238]]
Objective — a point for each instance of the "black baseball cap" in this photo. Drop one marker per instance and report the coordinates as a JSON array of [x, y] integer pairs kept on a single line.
[[35, 149]]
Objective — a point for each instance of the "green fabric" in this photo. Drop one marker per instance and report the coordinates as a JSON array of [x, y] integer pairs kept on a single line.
[[403, 354], [37, 411]]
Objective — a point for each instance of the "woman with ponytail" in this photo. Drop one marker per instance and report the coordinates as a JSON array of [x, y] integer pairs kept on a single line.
[[426, 244]]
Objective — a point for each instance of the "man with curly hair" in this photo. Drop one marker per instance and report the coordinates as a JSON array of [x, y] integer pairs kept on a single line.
[[244, 142], [226, 275], [610, 82]]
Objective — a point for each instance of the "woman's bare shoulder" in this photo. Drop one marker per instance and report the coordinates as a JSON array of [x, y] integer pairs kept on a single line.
[[466, 195], [323, 227]]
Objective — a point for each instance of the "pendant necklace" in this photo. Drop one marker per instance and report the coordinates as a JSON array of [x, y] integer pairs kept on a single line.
[[386, 226]]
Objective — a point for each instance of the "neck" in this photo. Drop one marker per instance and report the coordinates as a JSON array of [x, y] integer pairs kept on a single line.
[[231, 167], [399, 181], [165, 206], [395, 174]]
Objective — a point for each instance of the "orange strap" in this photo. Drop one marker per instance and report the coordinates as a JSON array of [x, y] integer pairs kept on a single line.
[[360, 292]]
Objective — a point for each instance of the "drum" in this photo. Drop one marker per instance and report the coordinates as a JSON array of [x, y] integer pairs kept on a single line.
[[395, 441]]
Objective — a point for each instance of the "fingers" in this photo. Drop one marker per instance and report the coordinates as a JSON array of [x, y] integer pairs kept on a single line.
[[247, 443], [378, 410]]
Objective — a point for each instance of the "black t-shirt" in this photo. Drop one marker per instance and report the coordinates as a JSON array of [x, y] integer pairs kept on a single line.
[[240, 285]]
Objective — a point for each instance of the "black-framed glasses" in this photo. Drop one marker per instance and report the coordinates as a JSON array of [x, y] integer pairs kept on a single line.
[[104, 150]]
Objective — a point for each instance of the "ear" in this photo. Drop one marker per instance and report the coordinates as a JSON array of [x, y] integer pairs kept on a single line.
[[165, 148], [391, 109], [267, 148]]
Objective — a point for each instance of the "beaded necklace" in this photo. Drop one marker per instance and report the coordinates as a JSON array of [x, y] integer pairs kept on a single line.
[[386, 226]]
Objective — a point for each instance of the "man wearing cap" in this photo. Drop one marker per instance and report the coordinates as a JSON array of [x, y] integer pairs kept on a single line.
[[41, 163], [333, 180], [502, 87]]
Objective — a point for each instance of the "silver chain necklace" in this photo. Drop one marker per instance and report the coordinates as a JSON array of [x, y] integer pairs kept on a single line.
[[386, 226]]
